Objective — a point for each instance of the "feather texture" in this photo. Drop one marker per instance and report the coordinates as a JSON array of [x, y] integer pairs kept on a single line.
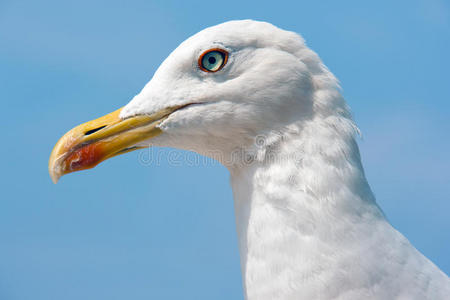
[[308, 223]]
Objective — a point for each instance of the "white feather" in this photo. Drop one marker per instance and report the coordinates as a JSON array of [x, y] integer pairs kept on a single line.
[[307, 221]]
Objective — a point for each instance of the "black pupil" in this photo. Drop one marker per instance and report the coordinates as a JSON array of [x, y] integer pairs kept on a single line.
[[212, 60]]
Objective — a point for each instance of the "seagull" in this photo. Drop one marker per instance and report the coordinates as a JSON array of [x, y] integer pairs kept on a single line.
[[258, 100]]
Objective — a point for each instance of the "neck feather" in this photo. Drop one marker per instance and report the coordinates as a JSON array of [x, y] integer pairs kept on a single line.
[[305, 194]]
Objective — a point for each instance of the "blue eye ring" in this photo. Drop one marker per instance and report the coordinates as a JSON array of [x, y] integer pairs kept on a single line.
[[213, 60]]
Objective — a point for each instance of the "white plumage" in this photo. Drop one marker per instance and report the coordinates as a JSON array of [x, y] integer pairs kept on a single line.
[[307, 221]]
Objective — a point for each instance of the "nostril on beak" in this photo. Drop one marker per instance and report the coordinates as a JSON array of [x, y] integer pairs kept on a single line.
[[94, 130]]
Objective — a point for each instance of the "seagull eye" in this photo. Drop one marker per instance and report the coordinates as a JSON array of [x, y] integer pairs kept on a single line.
[[213, 60]]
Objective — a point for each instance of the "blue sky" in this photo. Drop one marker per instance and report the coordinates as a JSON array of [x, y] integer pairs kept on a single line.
[[130, 230]]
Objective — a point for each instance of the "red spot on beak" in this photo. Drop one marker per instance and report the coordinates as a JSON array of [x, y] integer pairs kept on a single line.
[[85, 157]]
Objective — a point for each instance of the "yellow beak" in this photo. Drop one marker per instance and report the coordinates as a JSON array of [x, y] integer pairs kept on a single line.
[[88, 144]]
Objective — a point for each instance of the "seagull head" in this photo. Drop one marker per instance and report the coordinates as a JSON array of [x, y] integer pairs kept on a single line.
[[215, 93]]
